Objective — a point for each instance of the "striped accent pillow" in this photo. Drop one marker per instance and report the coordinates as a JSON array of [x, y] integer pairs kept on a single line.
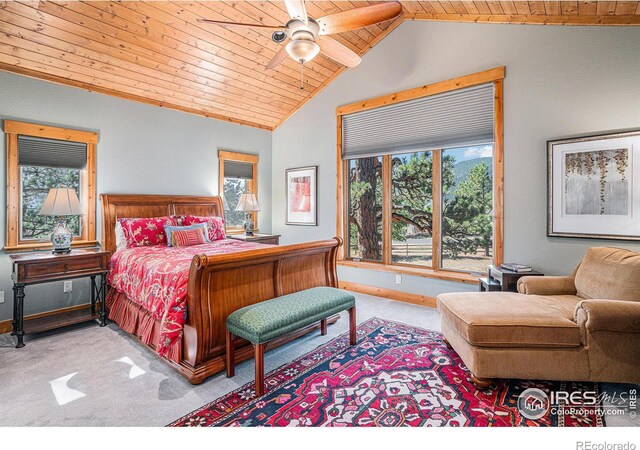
[[187, 238]]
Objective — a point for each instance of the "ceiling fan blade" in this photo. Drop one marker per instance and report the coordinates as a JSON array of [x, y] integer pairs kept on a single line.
[[239, 24], [338, 52], [297, 10], [358, 18], [280, 56]]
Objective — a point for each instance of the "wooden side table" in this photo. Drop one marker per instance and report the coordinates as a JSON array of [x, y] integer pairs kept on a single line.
[[41, 267], [500, 279], [262, 238]]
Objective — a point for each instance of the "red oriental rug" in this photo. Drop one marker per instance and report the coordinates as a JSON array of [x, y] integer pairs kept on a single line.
[[397, 375]]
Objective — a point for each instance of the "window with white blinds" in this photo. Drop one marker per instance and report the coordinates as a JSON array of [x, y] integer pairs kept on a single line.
[[39, 158], [420, 176], [238, 174], [452, 119]]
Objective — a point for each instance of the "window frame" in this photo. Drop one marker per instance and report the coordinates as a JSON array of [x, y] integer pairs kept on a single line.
[[495, 76], [12, 130], [225, 155]]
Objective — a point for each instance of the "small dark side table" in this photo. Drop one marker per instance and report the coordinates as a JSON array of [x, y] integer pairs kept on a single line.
[[45, 267], [500, 279]]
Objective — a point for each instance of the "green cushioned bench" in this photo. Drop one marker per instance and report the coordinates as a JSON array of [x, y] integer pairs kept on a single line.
[[268, 320]]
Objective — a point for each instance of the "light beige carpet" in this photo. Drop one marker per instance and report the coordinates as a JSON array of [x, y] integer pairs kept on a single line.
[[90, 376]]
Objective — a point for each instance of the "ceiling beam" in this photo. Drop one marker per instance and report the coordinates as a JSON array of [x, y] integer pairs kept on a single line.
[[528, 19]]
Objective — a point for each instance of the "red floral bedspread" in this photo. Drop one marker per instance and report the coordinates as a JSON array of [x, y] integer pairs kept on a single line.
[[155, 277]]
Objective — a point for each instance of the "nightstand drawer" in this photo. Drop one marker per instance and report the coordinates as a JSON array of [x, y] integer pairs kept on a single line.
[[36, 269], [273, 240], [53, 268]]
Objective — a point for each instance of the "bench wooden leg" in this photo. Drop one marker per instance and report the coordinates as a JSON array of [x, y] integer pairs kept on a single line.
[[323, 327], [231, 355], [352, 325], [259, 361]]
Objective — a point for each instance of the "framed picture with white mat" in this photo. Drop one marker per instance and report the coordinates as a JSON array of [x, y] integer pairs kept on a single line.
[[594, 187]]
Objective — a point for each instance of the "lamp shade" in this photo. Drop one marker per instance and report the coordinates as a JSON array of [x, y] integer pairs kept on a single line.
[[248, 202], [61, 202]]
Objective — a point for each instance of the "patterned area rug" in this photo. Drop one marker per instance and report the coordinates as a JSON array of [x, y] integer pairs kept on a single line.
[[397, 375]]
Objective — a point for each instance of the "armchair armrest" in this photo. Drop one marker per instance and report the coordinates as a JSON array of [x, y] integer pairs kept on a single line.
[[608, 315], [547, 286]]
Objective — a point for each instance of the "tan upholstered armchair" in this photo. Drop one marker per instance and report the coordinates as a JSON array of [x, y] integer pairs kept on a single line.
[[582, 327]]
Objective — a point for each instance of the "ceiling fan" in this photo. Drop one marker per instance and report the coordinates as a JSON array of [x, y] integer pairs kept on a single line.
[[308, 36]]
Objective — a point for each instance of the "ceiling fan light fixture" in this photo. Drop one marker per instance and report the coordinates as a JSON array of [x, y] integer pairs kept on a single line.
[[303, 50]]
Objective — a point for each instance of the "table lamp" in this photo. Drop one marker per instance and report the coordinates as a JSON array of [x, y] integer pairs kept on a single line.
[[60, 203], [248, 203]]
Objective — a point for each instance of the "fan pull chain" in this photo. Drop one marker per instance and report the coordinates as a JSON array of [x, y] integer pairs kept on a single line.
[[302, 74]]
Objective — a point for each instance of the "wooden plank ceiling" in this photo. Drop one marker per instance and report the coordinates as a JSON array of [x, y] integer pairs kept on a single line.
[[157, 52]]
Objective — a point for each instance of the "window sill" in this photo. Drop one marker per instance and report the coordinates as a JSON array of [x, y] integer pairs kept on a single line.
[[47, 246], [419, 272]]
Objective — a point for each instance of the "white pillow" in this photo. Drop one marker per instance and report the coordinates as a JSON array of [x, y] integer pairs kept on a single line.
[[121, 241]]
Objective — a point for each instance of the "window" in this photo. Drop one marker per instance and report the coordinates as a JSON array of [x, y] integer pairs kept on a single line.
[[40, 158], [365, 209], [35, 184], [467, 208], [412, 208], [238, 174], [420, 179]]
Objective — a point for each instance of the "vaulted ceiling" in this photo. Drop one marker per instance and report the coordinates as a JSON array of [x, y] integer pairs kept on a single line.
[[157, 52]]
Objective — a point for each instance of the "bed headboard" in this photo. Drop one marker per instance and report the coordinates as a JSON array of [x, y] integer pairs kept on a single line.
[[115, 206]]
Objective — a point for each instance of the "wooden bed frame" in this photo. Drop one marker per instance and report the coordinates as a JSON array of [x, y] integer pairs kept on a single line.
[[221, 284]]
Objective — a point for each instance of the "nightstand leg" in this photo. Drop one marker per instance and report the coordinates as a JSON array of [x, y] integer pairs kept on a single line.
[[14, 322], [103, 303], [93, 294], [20, 315]]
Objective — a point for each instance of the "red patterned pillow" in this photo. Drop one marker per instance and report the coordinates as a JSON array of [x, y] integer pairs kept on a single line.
[[214, 224], [140, 232], [187, 238]]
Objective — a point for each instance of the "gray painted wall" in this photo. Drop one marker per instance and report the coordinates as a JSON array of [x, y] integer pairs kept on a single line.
[[561, 81], [142, 149]]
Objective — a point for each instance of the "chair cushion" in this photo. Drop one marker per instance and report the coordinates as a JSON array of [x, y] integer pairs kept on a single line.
[[273, 318], [503, 319], [609, 273]]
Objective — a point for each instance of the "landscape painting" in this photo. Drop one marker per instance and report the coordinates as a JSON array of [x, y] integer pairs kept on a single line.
[[597, 182]]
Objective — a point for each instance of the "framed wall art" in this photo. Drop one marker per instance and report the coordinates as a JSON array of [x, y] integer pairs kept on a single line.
[[594, 187], [302, 187]]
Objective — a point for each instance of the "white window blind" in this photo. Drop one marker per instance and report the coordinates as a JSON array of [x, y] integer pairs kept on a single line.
[[34, 151], [451, 119]]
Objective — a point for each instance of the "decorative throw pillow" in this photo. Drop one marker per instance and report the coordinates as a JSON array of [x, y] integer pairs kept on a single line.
[[187, 238], [171, 229], [145, 231], [215, 225]]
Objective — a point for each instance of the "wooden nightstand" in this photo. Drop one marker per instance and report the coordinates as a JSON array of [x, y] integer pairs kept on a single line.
[[41, 267], [262, 238]]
